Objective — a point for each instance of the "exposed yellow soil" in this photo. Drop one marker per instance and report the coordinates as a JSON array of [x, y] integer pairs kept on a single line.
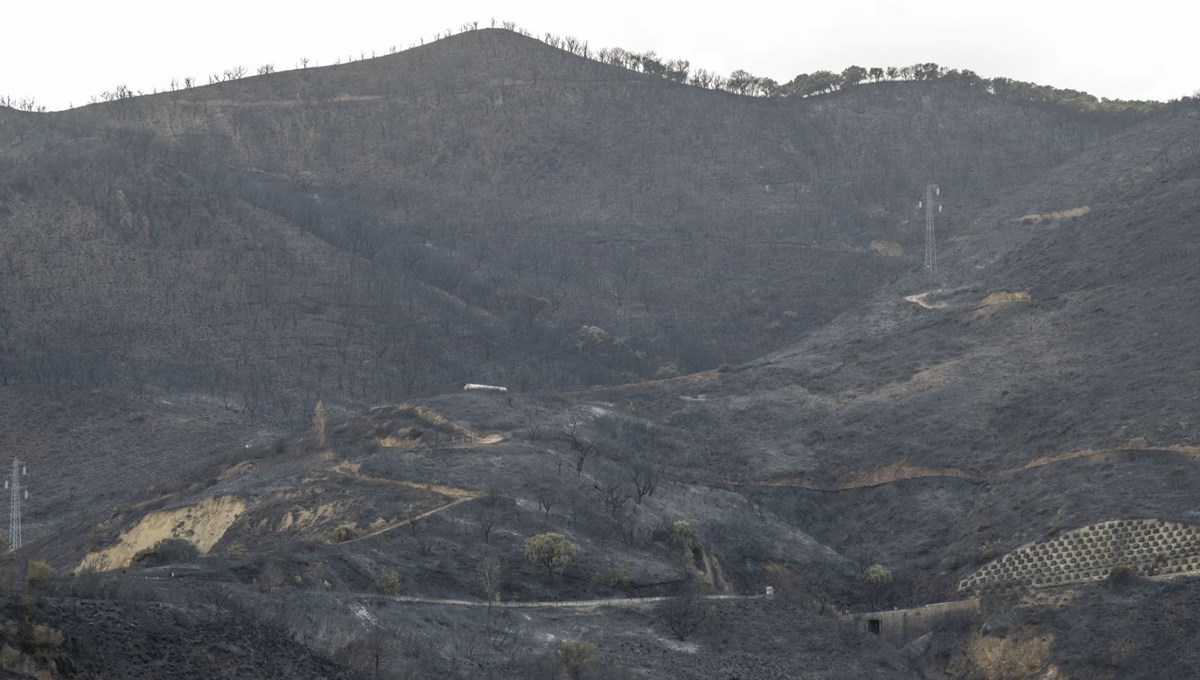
[[302, 518], [393, 442], [202, 525]]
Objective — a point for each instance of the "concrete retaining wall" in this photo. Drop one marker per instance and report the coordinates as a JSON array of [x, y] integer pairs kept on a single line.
[[903, 625]]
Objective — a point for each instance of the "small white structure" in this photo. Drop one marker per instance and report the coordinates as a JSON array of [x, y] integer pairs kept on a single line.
[[472, 387]]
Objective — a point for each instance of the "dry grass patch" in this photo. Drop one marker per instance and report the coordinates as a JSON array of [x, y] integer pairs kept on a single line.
[[888, 248], [1054, 216], [698, 378], [236, 469], [999, 296], [1132, 444], [405, 439], [921, 381], [995, 301], [897, 471], [1015, 657], [886, 474]]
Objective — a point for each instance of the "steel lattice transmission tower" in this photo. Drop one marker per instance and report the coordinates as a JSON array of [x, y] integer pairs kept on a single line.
[[932, 191], [13, 484]]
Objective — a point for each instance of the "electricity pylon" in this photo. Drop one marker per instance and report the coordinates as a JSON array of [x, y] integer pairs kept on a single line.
[[13, 484], [932, 191]]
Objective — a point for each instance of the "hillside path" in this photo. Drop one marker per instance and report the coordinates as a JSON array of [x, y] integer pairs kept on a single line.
[[407, 521], [546, 604], [898, 473], [920, 300]]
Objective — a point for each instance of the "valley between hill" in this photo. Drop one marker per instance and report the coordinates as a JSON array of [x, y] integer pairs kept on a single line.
[[726, 372]]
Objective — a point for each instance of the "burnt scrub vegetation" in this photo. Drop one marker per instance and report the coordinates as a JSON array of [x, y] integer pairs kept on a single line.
[[92, 625], [725, 285], [1121, 628], [465, 211], [336, 596]]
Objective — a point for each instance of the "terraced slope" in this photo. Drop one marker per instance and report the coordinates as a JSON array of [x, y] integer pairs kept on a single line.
[[1092, 553]]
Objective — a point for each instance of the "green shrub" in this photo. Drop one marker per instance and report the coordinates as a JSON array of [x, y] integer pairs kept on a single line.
[[552, 551], [877, 576], [684, 533], [389, 583], [877, 579]]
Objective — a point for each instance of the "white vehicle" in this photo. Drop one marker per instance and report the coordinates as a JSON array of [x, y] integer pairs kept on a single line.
[[472, 387]]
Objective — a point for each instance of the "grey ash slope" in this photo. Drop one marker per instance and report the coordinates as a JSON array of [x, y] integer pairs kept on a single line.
[[323, 231], [326, 591], [991, 423], [1099, 354], [135, 639]]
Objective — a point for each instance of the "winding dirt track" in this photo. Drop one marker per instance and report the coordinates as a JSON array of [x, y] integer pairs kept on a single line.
[[545, 604], [898, 472], [407, 521], [920, 300]]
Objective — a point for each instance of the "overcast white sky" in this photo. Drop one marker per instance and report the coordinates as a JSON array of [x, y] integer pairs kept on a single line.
[[64, 52]]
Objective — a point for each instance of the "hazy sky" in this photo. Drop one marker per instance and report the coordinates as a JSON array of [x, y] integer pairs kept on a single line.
[[65, 52]]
